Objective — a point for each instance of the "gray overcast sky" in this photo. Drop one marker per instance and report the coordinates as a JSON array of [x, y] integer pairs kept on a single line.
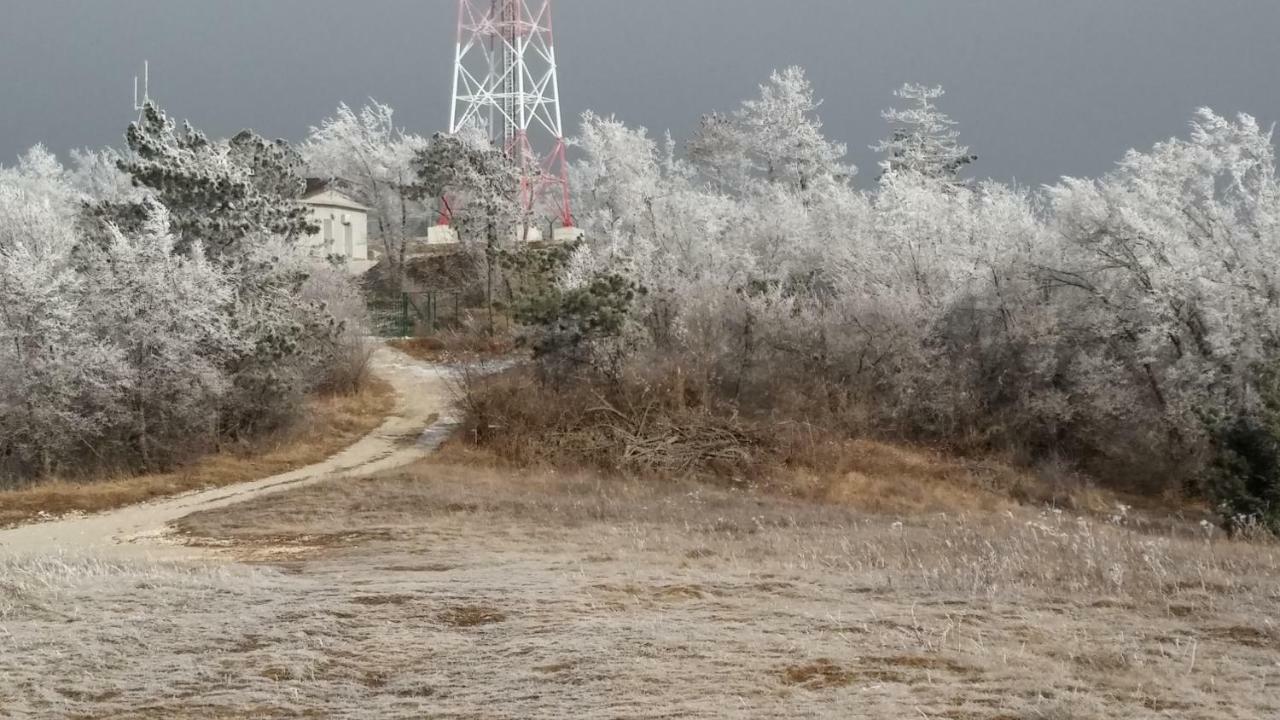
[[1042, 88]]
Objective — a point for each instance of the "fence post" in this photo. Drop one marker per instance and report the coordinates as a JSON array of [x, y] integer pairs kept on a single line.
[[404, 314]]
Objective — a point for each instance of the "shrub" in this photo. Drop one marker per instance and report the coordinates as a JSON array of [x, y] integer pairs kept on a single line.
[[1244, 477]]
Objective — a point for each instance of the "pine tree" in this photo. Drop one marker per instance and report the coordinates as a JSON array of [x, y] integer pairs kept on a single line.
[[218, 194], [924, 139], [774, 139]]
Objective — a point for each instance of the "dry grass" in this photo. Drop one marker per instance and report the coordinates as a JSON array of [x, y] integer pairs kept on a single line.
[[471, 616], [331, 423], [864, 475], [456, 346], [667, 426], [465, 593], [882, 478]]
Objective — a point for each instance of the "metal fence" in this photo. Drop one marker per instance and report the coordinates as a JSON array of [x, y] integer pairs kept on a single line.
[[416, 314]]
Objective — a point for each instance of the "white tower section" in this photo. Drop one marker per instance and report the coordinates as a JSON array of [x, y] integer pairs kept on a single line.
[[505, 79]]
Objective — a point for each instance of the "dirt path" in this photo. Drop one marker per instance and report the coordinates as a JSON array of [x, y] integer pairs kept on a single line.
[[141, 531]]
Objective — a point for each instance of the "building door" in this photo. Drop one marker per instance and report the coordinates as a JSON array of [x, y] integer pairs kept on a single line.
[[349, 240]]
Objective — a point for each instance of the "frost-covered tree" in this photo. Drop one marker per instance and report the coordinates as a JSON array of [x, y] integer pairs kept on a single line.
[[482, 184], [117, 351], [35, 201], [57, 384], [902, 294], [1167, 282], [284, 336], [110, 347], [924, 139], [96, 175], [375, 158], [165, 316], [481, 177], [218, 193], [776, 138], [937, 288], [720, 151], [618, 179], [644, 214]]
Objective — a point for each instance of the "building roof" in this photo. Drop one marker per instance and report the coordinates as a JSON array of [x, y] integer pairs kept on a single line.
[[330, 193]]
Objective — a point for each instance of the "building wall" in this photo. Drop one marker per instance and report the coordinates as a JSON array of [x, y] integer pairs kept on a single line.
[[344, 231]]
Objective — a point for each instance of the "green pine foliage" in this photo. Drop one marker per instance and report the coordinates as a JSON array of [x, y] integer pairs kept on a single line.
[[220, 195], [566, 324]]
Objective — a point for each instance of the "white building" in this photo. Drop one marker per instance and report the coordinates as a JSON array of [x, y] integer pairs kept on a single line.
[[343, 223]]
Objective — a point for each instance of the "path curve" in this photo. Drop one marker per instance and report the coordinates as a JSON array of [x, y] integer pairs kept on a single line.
[[413, 430]]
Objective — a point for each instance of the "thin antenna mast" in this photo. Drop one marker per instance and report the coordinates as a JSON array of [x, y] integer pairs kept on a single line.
[[139, 104]]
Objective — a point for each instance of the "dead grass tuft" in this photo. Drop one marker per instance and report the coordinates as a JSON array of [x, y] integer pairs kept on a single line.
[[426, 568], [375, 600], [818, 675], [1248, 636], [903, 669], [86, 696], [555, 668], [277, 674], [331, 423], [466, 616], [925, 662], [875, 476]]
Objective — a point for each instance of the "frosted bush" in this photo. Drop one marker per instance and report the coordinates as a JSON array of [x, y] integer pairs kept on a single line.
[[1122, 321]]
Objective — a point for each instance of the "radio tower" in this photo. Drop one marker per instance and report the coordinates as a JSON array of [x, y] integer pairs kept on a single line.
[[505, 79]]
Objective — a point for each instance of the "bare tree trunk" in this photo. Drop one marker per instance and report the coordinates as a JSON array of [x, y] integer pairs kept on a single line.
[[748, 349], [404, 231], [489, 253], [144, 444], [400, 273]]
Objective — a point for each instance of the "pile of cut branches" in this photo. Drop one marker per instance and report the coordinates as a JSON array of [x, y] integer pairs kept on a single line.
[[654, 439], [633, 427]]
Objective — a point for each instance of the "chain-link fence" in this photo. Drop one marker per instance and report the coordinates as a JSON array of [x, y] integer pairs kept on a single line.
[[416, 314]]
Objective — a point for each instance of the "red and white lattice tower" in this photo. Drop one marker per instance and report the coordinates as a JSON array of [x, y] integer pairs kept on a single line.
[[505, 79]]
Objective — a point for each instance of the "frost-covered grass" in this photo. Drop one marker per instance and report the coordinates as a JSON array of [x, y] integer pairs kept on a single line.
[[459, 592]]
